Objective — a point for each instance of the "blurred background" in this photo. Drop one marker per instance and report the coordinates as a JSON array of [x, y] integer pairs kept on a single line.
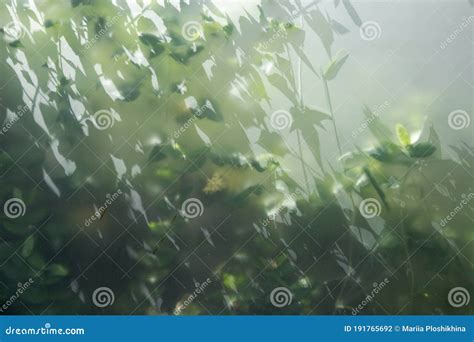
[[236, 157]]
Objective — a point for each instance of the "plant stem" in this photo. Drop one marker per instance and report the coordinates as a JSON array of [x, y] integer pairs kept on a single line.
[[331, 111], [300, 95]]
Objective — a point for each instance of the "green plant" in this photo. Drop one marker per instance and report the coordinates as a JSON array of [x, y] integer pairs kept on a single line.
[[171, 105]]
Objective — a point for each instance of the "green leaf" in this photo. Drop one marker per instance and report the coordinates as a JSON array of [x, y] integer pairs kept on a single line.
[[28, 246], [209, 110], [256, 165], [76, 3], [157, 154], [285, 64], [320, 25], [48, 23], [183, 53], [403, 135], [352, 12], [101, 24], [376, 186], [58, 270], [130, 91], [228, 29], [229, 282], [282, 85], [16, 44], [338, 27], [388, 152], [378, 129], [336, 64], [156, 44], [421, 150], [315, 115], [199, 158]]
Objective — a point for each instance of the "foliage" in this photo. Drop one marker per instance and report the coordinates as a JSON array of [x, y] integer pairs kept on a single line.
[[318, 244]]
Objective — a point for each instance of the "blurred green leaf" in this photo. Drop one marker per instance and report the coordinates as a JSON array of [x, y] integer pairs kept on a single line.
[[101, 24], [352, 12], [130, 90], [338, 27], [228, 29], [376, 186], [156, 45], [336, 64], [48, 23], [421, 150], [320, 25], [403, 135], [157, 153], [58, 270], [380, 131], [229, 281], [16, 44], [282, 85], [28, 246], [76, 3], [388, 152]]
